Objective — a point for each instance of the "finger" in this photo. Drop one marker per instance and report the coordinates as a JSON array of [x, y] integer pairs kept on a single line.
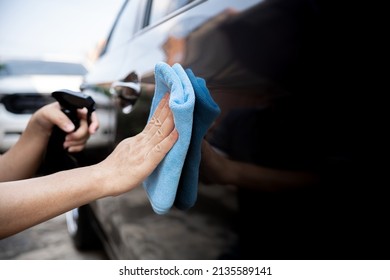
[[153, 120], [80, 133], [54, 115], [69, 144], [75, 142], [162, 132], [75, 149], [79, 137], [82, 113], [159, 151], [160, 124], [94, 122], [94, 125]]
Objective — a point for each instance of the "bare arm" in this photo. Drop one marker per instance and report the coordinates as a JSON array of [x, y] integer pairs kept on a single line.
[[218, 169], [24, 158], [28, 202]]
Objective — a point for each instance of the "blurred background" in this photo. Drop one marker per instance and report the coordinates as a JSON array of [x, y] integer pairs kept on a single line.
[[60, 28], [45, 45]]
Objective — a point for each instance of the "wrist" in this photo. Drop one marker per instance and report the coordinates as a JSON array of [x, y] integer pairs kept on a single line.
[[99, 181]]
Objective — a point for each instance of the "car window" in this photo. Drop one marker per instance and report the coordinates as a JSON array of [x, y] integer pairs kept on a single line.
[[136, 15], [125, 26], [161, 8]]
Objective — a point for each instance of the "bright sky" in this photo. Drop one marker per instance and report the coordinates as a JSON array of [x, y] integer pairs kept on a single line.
[[68, 28]]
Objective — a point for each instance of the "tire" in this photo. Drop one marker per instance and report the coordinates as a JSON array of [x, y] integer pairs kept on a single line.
[[80, 229]]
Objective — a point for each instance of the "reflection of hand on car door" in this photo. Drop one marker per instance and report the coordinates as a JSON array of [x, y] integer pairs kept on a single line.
[[217, 168]]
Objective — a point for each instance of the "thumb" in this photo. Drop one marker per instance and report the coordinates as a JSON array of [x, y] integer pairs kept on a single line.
[[60, 119]]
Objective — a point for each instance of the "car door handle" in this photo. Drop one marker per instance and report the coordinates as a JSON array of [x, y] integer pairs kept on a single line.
[[127, 92], [131, 85]]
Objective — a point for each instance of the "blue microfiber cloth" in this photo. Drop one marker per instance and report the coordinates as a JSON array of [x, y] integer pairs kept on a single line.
[[161, 185], [205, 113]]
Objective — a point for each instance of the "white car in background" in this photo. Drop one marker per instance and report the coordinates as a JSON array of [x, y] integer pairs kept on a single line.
[[27, 84]]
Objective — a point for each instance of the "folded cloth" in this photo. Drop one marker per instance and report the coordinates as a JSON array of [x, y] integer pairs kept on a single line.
[[205, 113], [161, 185]]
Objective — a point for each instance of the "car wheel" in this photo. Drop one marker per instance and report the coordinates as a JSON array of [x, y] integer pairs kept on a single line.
[[79, 226]]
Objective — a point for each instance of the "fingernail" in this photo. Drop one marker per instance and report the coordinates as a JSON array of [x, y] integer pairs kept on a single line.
[[69, 127]]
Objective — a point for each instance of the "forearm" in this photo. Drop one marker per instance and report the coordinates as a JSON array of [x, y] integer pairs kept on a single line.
[[26, 203], [266, 179], [219, 169], [25, 157]]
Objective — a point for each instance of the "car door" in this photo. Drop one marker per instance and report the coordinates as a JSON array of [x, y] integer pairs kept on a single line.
[[159, 31]]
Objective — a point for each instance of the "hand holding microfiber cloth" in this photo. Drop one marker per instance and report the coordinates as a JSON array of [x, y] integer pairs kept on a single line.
[[161, 185], [205, 113]]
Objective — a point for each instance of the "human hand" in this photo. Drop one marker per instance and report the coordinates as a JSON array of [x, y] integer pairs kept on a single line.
[[215, 168], [75, 141], [136, 157], [50, 115]]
